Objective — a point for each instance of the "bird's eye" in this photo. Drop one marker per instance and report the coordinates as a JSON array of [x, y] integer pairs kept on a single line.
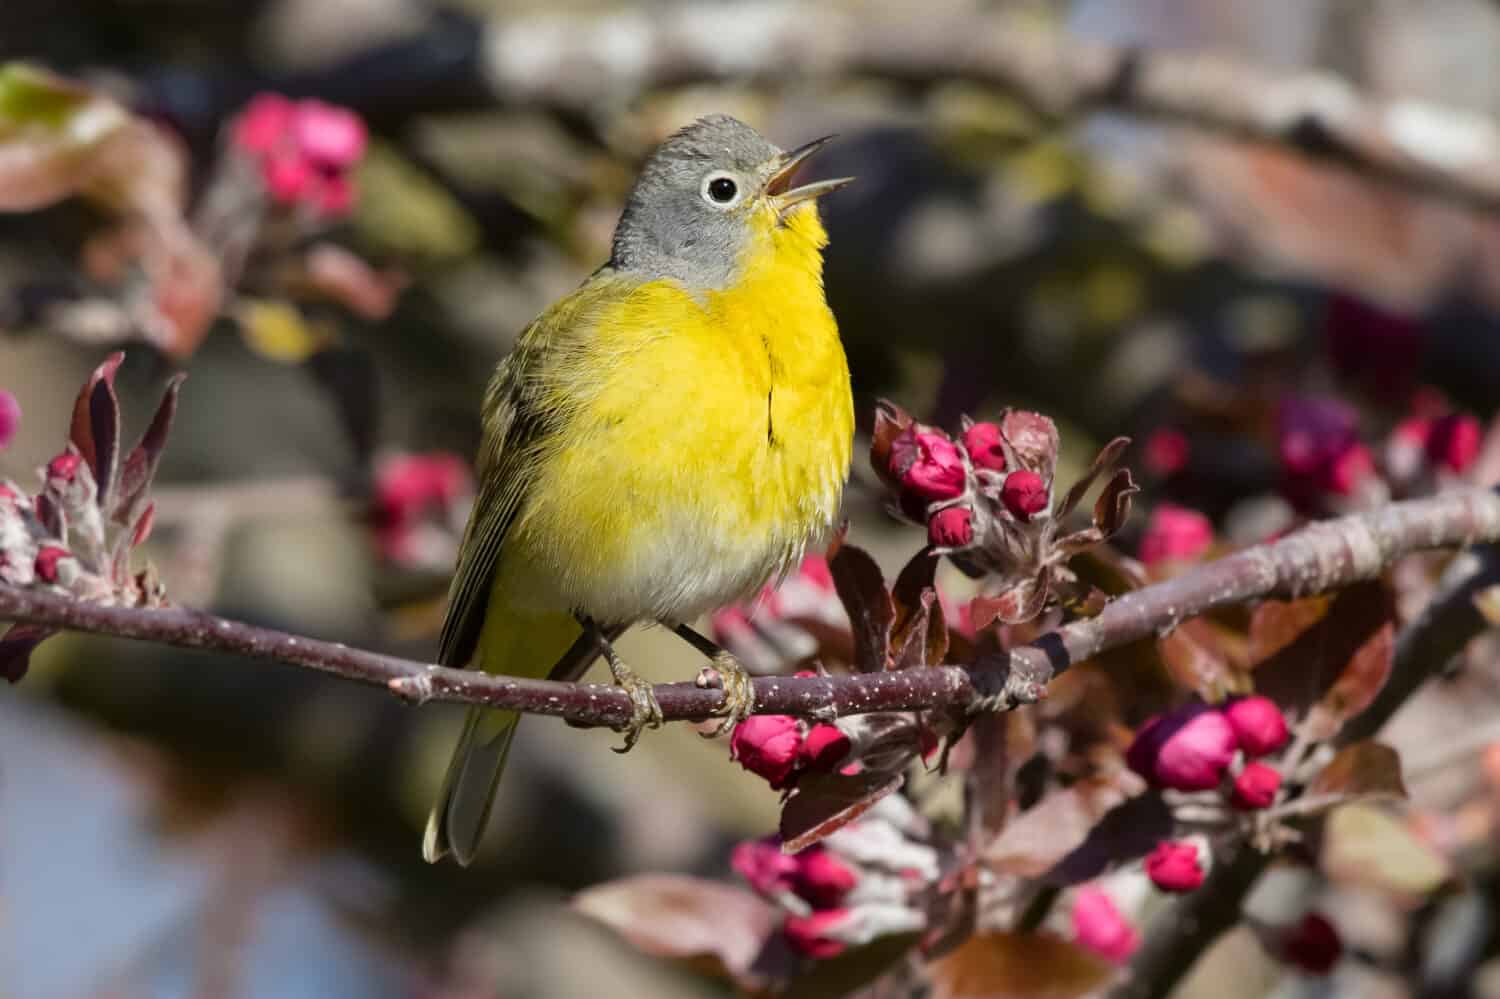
[[721, 190]]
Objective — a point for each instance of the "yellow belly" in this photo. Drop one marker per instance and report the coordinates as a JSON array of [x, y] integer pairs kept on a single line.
[[713, 451]]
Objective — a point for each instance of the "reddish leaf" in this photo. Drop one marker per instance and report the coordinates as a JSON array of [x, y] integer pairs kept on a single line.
[[890, 421], [1337, 647], [920, 633], [1106, 459], [1105, 567], [1362, 769], [1019, 966], [850, 971], [1363, 844], [824, 803], [1033, 440], [1041, 836], [1276, 624], [96, 424], [16, 646], [1192, 656], [1112, 508], [715, 927], [1022, 601], [340, 275], [1126, 832], [872, 612], [141, 463], [1357, 685]]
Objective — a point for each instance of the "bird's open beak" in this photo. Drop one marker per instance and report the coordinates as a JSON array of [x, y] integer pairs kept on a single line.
[[779, 188]]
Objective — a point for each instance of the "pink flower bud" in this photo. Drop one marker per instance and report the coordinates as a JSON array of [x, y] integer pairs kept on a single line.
[[1175, 533], [952, 527], [1454, 441], [332, 137], [287, 176], [1259, 726], [928, 464], [824, 748], [263, 123], [982, 441], [1024, 494], [808, 935], [763, 865], [822, 878], [10, 418], [47, 558], [336, 197], [767, 745], [1256, 787], [1349, 470], [1167, 452], [1187, 749], [64, 467], [1099, 927], [1174, 867], [1313, 945]]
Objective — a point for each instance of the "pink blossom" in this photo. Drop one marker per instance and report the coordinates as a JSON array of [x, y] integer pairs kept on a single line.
[[764, 866], [1167, 452], [767, 745], [332, 137], [10, 418], [47, 559], [1175, 867], [1024, 494], [1256, 787], [1453, 441], [265, 121], [822, 878], [408, 487], [809, 935], [287, 176], [1187, 749], [1313, 945], [1099, 927], [982, 441], [64, 467], [952, 527], [824, 748], [1259, 726], [1175, 533], [1349, 470], [1320, 451], [928, 464]]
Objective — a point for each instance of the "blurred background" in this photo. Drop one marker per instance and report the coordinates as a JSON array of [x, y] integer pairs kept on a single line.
[[176, 824]]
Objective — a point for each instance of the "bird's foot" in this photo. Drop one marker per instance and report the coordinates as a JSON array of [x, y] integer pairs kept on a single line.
[[646, 712], [739, 693]]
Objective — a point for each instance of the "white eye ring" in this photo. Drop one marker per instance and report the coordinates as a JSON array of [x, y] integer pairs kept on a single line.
[[722, 189]]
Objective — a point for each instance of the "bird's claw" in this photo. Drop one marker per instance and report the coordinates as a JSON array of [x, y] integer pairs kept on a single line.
[[646, 712], [739, 694]]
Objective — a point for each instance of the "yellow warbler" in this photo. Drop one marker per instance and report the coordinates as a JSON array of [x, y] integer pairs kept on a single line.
[[661, 442]]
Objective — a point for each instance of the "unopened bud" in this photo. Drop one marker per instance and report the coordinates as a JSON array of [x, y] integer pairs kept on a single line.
[[1175, 867], [1454, 442], [1024, 494], [822, 878], [982, 441], [952, 527], [1259, 726], [10, 418], [1099, 927], [64, 467], [1187, 749], [809, 935], [927, 464], [1256, 787], [824, 748], [47, 559], [767, 745]]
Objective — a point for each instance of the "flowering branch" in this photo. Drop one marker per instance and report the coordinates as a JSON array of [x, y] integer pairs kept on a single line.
[[1320, 557]]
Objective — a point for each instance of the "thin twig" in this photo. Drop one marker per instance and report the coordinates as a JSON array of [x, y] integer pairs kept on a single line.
[[581, 64], [1320, 557]]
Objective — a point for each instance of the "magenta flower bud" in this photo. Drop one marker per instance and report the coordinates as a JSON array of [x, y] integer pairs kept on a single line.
[[266, 120], [1167, 452], [928, 464], [952, 527], [1188, 749], [1259, 726], [824, 748], [1024, 494], [1174, 867], [10, 418], [1454, 441], [809, 935], [1255, 787], [332, 137], [764, 867], [64, 467], [1099, 927], [1313, 945], [336, 197], [1349, 470], [822, 878], [287, 176], [982, 441], [767, 745], [1175, 533], [47, 558]]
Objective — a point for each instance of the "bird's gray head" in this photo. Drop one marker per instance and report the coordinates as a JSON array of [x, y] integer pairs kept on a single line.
[[704, 195]]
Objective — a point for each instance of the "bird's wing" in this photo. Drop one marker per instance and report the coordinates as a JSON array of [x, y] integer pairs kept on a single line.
[[522, 411]]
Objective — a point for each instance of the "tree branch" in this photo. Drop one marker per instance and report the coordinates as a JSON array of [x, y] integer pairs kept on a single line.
[[580, 64], [1319, 557]]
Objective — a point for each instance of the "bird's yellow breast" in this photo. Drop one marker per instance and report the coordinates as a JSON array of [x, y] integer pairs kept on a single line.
[[711, 444]]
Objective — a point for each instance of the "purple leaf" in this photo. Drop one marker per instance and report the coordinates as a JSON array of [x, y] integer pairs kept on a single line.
[[16, 646], [872, 612], [1106, 459], [96, 424], [824, 803], [140, 465]]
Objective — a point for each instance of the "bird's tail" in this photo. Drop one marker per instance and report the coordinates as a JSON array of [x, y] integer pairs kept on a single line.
[[511, 643]]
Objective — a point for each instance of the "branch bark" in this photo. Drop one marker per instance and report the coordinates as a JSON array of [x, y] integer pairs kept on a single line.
[[1322, 556], [582, 64]]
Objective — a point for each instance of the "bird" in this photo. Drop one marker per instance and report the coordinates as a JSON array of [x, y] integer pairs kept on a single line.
[[661, 442]]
